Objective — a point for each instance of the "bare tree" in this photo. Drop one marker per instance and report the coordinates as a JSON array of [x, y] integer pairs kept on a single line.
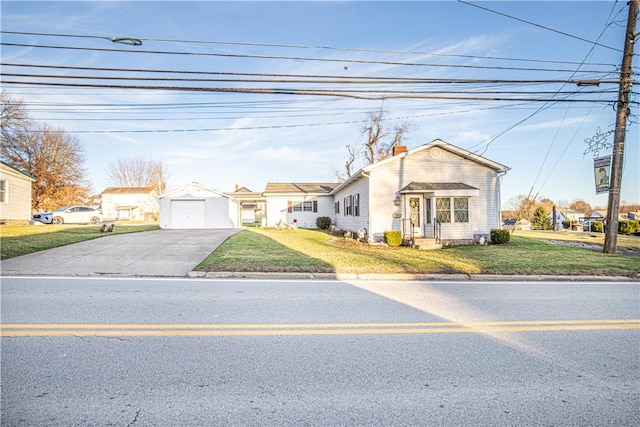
[[55, 158], [379, 139], [139, 172], [348, 165], [14, 119], [523, 206]]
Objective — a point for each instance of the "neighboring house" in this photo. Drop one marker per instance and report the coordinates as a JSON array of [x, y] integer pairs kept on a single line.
[[15, 194], [595, 216], [515, 224], [436, 190], [252, 205], [598, 216], [130, 204], [196, 206], [298, 203], [565, 215], [634, 215]]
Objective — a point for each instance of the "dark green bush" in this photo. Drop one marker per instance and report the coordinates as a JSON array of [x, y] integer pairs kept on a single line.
[[500, 236], [596, 227], [323, 222], [566, 224], [393, 238], [627, 226]]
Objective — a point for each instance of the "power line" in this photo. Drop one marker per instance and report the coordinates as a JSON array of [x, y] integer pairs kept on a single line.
[[297, 46], [356, 94], [297, 58], [311, 77], [539, 26]]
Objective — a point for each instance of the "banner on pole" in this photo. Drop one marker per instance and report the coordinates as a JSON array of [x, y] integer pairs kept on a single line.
[[601, 173]]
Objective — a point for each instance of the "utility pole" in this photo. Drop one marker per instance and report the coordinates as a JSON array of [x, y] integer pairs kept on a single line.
[[622, 112]]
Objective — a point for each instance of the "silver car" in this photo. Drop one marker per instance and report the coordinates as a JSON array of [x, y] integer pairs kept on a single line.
[[70, 215]]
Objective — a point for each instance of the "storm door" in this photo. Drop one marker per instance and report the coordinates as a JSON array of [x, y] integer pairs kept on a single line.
[[413, 211]]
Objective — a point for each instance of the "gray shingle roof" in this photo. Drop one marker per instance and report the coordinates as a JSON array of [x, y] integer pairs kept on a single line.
[[432, 186], [300, 187]]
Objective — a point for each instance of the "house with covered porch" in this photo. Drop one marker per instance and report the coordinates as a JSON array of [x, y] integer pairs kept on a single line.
[[434, 191]]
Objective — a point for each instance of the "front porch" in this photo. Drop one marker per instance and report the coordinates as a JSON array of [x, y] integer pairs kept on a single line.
[[436, 214]]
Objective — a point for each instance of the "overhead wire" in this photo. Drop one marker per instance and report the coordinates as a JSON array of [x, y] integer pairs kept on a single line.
[[298, 58], [298, 46]]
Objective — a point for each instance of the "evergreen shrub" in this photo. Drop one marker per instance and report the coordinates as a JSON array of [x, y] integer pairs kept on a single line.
[[500, 236], [323, 222], [393, 238]]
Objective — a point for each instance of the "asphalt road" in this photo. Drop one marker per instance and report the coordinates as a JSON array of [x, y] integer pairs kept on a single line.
[[190, 352]]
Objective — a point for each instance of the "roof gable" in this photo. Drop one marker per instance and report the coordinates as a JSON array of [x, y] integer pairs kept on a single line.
[[445, 146], [498, 167], [195, 188]]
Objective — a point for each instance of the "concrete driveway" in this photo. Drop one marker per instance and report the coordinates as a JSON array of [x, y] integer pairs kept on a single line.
[[149, 253]]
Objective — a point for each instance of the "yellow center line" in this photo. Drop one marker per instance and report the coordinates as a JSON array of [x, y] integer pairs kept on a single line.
[[102, 329]]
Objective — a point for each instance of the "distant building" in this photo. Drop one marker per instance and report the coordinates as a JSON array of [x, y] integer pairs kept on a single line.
[[130, 204]]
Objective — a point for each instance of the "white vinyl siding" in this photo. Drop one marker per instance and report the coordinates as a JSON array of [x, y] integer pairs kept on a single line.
[[16, 204], [282, 208], [386, 180], [194, 206], [358, 195]]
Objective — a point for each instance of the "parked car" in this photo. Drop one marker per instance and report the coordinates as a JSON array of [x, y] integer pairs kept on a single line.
[[70, 215]]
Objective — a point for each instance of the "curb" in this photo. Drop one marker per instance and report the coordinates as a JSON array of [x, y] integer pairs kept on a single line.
[[405, 277]]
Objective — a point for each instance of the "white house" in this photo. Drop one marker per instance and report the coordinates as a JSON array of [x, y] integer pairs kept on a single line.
[[197, 206], [436, 190], [298, 203], [15, 194], [129, 203]]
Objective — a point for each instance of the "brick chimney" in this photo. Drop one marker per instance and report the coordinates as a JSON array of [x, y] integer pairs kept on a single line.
[[397, 149]]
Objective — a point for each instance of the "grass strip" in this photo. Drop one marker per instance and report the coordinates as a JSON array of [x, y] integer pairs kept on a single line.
[[16, 240], [273, 250]]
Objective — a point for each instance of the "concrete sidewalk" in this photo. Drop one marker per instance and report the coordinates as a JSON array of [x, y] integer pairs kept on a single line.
[[171, 253]]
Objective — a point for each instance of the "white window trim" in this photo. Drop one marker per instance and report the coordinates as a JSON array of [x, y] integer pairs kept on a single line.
[[6, 191]]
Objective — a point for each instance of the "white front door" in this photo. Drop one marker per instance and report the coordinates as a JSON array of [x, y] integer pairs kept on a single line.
[[413, 213]]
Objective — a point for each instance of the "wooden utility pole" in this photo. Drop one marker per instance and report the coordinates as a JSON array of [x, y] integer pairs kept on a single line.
[[622, 112]]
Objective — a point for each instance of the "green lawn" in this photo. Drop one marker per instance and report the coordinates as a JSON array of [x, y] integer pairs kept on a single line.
[[272, 250], [18, 240], [269, 250]]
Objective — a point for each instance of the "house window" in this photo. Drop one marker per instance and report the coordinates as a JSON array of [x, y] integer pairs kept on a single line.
[[306, 206], [336, 207], [347, 206], [4, 194], [460, 209], [356, 205], [443, 209]]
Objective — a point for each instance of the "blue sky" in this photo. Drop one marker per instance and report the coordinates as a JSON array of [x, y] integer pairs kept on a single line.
[[250, 139]]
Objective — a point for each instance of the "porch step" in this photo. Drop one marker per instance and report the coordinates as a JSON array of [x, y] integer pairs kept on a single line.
[[426, 244]]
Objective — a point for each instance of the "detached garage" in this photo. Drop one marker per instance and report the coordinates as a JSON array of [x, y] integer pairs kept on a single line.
[[196, 206]]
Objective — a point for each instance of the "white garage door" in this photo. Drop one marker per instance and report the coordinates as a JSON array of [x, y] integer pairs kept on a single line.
[[187, 214]]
